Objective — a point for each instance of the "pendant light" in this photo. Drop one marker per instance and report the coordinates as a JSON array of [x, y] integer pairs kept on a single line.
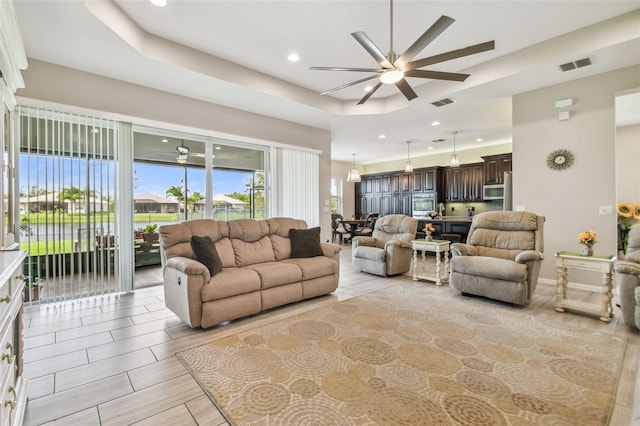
[[408, 168], [455, 161], [354, 174]]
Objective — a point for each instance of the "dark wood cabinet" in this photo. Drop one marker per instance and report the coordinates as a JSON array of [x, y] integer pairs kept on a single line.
[[494, 168], [464, 183], [452, 184], [445, 227]]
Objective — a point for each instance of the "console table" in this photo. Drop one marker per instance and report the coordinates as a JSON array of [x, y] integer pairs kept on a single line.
[[440, 248], [602, 264]]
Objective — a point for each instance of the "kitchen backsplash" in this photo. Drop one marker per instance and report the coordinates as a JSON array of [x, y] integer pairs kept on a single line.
[[462, 209]]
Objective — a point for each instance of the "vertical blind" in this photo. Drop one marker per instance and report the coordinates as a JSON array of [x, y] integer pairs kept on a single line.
[[295, 185], [68, 190]]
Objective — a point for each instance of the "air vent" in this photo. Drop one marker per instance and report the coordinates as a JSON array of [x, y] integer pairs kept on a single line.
[[438, 140], [442, 102], [575, 64]]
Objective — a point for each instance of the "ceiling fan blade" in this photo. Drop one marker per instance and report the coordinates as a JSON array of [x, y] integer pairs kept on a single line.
[[353, 83], [369, 93], [406, 90], [379, 70], [437, 75], [423, 41], [372, 49], [454, 54]]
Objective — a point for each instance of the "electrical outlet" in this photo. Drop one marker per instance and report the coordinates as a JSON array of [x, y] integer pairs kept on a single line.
[[453, 209]]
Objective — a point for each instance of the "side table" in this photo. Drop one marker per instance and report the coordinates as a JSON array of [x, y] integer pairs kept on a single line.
[[440, 248], [602, 264]]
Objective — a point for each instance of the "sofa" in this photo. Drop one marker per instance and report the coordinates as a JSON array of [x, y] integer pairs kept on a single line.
[[388, 250], [628, 279], [502, 256], [216, 271]]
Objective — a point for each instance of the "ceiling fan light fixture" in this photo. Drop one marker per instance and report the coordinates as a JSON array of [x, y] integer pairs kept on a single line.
[[183, 152], [391, 76]]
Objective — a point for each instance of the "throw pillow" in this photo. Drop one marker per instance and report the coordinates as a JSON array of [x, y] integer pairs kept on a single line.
[[206, 253], [305, 242]]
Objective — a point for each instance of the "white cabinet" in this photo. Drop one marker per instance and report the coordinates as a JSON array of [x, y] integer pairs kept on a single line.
[[13, 387]]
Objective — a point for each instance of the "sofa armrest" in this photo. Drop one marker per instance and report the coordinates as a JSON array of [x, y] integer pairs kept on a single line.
[[330, 249], [629, 268], [189, 267], [397, 243], [363, 241], [462, 249], [528, 256]]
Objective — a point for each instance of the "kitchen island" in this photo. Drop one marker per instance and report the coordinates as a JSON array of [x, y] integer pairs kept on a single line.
[[451, 228]]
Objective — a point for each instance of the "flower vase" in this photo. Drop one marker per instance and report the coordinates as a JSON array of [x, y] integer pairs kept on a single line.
[[428, 236], [587, 251]]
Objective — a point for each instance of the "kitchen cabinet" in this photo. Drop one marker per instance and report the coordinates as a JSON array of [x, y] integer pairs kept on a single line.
[[464, 183], [494, 168], [427, 180], [13, 387]]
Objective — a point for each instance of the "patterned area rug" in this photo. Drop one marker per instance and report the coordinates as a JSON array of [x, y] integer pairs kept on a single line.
[[407, 356]]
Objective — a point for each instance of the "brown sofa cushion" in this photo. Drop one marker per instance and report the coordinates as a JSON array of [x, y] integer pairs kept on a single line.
[[205, 251], [305, 242]]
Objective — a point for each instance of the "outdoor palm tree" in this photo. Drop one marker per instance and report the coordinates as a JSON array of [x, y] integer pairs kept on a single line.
[[176, 191]]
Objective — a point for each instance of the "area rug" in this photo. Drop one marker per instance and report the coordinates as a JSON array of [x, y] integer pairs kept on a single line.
[[407, 356]]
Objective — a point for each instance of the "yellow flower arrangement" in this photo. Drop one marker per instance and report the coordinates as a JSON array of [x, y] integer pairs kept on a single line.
[[428, 228], [588, 238], [628, 215]]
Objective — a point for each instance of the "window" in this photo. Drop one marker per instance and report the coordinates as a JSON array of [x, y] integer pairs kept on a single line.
[[336, 196]]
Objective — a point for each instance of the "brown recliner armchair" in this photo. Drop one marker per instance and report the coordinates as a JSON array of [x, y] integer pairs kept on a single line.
[[628, 279], [502, 257], [388, 250]]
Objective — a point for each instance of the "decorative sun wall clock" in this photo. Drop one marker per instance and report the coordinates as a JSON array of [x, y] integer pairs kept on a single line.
[[560, 159]]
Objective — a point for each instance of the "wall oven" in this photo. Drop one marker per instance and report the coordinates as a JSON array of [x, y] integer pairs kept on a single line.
[[422, 204]]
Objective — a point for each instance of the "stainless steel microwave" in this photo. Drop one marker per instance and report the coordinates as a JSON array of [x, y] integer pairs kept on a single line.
[[493, 192]]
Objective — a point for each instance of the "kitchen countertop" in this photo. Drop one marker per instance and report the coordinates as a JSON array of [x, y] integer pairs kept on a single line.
[[448, 219]]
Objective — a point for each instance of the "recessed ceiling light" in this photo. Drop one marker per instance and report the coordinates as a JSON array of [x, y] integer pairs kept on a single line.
[[165, 140], [368, 88], [435, 123], [159, 3], [479, 140], [429, 147], [382, 136], [217, 147], [293, 57]]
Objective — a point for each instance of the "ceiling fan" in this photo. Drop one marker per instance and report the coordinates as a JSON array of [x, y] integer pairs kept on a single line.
[[395, 68]]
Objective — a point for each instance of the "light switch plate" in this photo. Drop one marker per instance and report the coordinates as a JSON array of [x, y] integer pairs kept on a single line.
[[605, 210]]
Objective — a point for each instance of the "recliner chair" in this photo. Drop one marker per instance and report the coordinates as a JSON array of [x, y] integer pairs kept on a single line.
[[388, 250], [502, 257], [628, 279]]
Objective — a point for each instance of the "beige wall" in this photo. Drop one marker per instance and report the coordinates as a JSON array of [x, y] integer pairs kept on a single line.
[[628, 164], [53, 83], [570, 198]]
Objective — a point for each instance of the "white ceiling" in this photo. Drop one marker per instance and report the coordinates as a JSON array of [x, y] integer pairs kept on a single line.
[[234, 53]]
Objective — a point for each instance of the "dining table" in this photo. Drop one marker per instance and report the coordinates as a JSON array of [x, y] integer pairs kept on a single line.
[[354, 225]]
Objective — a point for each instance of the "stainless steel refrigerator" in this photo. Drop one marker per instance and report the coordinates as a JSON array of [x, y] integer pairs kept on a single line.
[[508, 191]]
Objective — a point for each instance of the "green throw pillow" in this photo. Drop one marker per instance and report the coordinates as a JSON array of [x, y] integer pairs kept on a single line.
[[206, 253], [305, 242]]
